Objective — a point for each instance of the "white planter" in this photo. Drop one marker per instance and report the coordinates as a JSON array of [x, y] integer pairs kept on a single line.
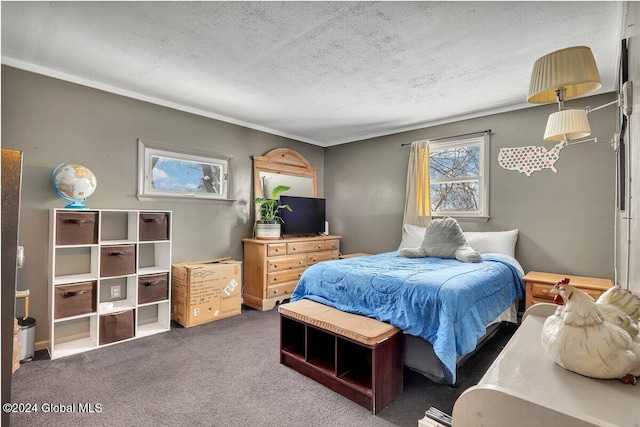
[[267, 230]]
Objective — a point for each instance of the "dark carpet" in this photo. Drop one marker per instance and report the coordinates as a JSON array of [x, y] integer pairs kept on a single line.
[[224, 373]]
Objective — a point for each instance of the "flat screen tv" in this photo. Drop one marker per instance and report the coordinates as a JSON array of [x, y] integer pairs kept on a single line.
[[307, 216]]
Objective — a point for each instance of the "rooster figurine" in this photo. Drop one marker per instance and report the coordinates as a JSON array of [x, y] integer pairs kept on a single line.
[[598, 339]]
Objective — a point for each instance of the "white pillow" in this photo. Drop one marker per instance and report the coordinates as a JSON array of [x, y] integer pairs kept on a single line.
[[503, 242], [412, 236]]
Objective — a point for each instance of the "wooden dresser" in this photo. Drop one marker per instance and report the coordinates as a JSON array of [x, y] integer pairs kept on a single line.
[[272, 267], [539, 286]]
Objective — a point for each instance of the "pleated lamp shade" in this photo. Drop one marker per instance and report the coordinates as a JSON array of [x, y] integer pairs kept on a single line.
[[573, 69], [566, 125]]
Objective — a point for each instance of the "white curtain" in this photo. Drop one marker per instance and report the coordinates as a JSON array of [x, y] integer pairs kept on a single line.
[[417, 209]]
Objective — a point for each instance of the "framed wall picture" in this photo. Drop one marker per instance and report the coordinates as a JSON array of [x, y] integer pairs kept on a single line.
[[166, 171]]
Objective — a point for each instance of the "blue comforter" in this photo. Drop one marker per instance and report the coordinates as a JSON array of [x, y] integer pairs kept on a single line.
[[444, 301]]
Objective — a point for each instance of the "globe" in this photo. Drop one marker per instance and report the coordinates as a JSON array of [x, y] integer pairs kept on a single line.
[[73, 183]]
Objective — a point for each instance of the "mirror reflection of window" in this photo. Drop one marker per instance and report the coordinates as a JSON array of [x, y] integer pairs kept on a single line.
[[301, 186]]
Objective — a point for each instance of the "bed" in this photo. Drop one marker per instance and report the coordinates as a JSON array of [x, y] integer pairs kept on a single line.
[[444, 306]]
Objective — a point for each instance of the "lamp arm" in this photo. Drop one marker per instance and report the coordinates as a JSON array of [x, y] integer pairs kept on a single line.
[[594, 140], [615, 142], [624, 100], [591, 110]]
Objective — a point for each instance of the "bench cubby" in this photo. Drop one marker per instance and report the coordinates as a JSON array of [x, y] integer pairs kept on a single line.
[[358, 357]]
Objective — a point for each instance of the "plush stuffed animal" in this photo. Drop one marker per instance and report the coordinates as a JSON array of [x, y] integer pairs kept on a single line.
[[443, 238]]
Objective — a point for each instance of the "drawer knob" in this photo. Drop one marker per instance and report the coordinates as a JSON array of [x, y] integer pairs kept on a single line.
[[275, 265], [545, 291]]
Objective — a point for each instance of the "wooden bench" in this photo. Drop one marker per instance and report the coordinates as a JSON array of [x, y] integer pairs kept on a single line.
[[356, 356]]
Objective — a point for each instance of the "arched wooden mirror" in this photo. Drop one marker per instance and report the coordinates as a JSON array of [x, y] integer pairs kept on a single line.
[[283, 166]]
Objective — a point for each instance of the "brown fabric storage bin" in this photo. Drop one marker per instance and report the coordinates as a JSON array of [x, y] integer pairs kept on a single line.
[[154, 226], [76, 228], [116, 326], [117, 260], [153, 287], [75, 299]]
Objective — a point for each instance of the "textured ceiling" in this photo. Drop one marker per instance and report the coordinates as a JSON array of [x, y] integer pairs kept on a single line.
[[320, 72]]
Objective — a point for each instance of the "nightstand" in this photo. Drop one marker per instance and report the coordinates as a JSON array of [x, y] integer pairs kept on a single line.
[[539, 286]]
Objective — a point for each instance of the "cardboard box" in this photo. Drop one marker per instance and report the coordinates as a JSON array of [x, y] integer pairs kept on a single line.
[[204, 291]]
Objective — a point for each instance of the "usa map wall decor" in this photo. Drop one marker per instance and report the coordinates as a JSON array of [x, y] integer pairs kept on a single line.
[[530, 159]]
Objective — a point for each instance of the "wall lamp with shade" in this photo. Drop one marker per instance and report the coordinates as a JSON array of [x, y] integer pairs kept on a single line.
[[566, 74]]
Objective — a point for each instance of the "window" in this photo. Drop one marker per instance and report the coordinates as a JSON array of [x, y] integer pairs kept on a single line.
[[459, 177], [166, 171]]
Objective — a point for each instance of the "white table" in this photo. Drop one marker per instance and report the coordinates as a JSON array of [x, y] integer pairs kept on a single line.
[[524, 387]]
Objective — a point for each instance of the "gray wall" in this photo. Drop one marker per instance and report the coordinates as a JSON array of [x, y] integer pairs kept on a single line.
[[565, 219], [55, 122]]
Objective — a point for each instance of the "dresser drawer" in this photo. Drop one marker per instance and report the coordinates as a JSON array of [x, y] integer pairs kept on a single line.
[[286, 263], [332, 245], [542, 291], [322, 256], [275, 249], [281, 289], [305, 247], [284, 276]]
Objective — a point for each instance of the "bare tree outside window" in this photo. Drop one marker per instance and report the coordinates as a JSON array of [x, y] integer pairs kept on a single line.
[[456, 173]]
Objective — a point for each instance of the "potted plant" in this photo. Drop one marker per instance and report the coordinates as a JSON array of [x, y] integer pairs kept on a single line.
[[268, 224]]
